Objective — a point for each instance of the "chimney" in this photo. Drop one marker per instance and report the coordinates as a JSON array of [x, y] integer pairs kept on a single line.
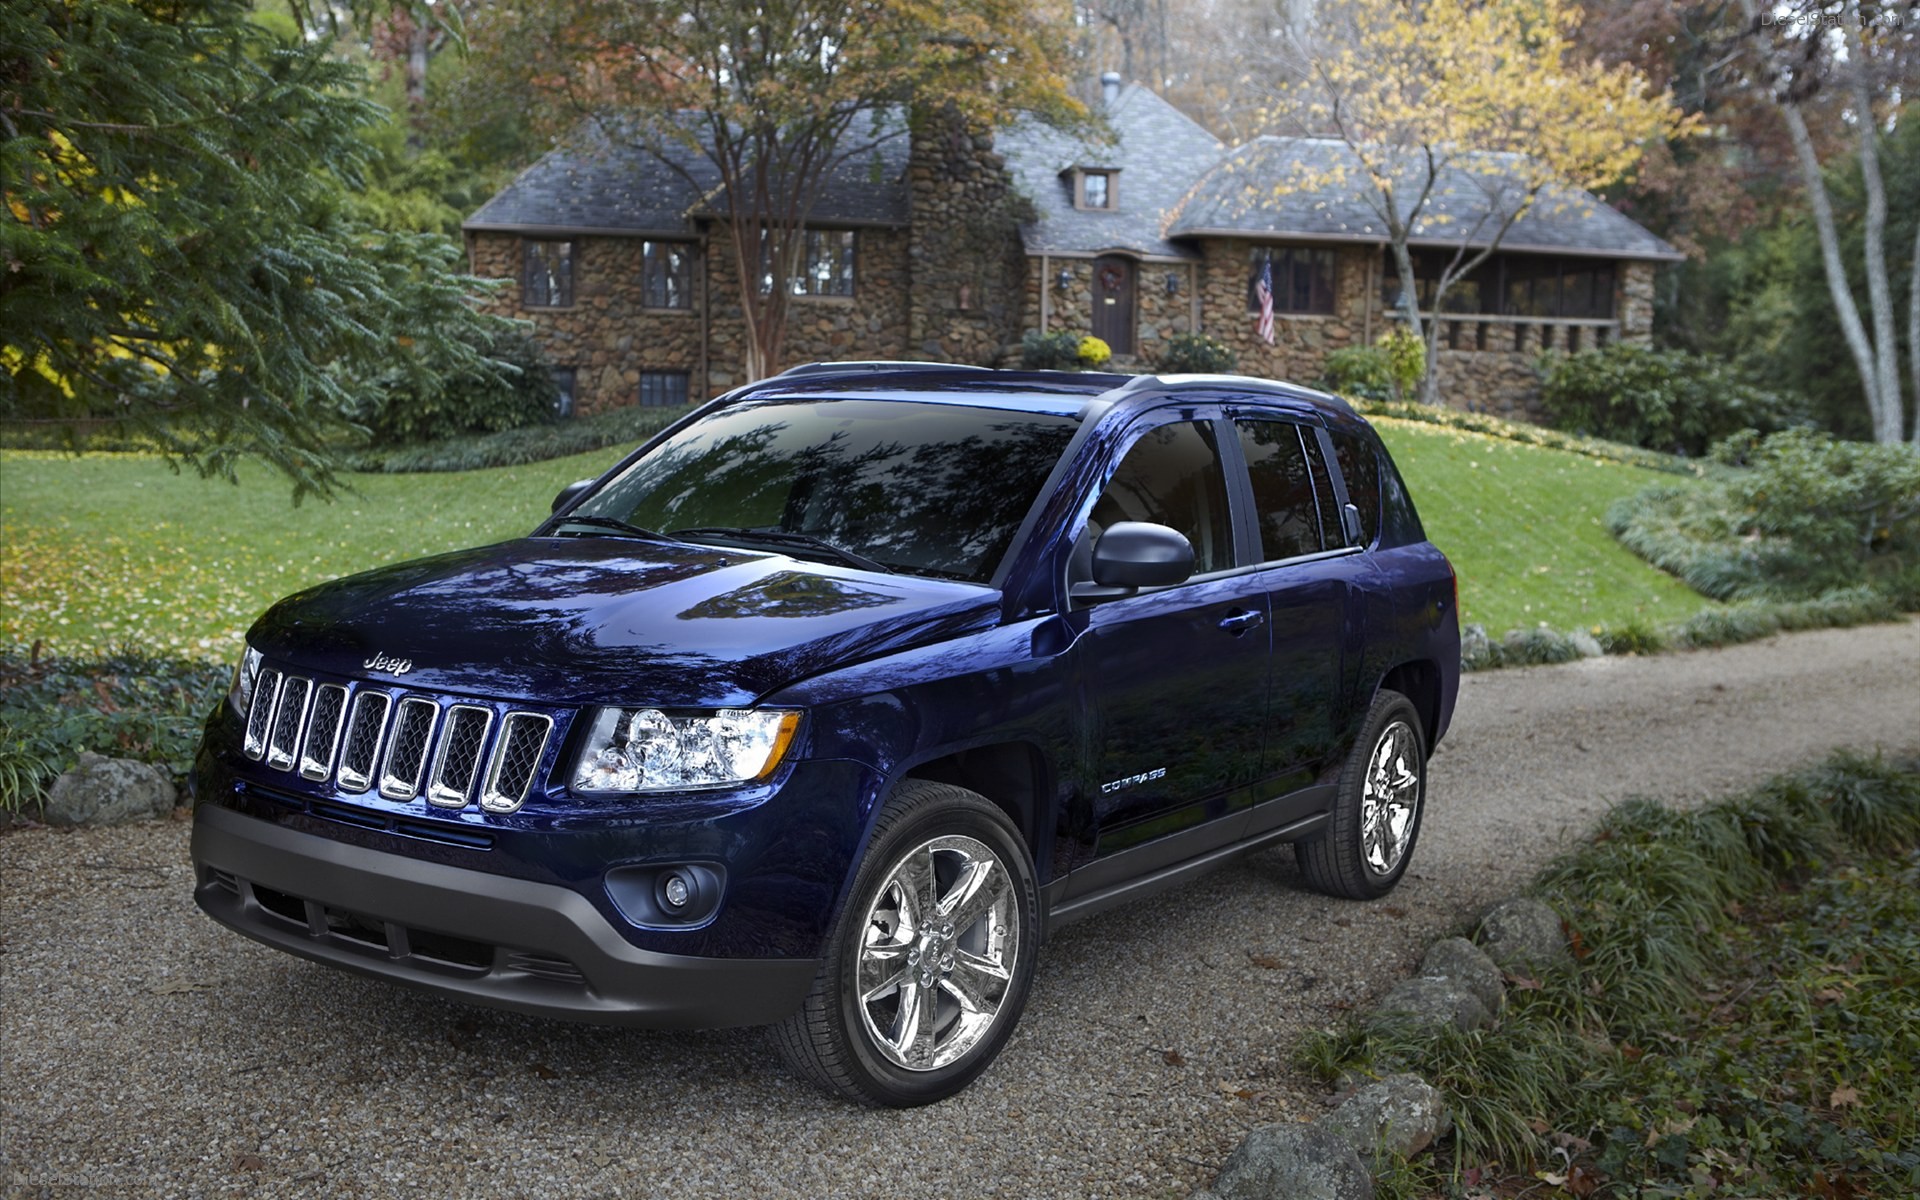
[[1110, 87]]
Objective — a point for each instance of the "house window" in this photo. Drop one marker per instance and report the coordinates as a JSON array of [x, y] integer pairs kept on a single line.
[[667, 274], [1303, 278], [1097, 190], [825, 267], [563, 387], [1513, 285], [663, 389], [547, 275]]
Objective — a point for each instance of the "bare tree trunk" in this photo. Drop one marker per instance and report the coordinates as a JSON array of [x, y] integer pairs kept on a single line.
[[1913, 332], [417, 48], [1879, 294], [1844, 307]]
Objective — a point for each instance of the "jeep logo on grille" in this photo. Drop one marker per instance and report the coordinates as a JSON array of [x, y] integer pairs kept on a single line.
[[380, 662]]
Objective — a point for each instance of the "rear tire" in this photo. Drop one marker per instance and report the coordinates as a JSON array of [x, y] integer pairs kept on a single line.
[[929, 964], [1382, 793]]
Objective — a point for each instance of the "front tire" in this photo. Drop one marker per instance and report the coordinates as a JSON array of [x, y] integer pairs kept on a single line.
[[1376, 815], [929, 964]]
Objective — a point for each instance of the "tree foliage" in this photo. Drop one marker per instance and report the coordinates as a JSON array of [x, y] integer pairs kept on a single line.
[[1460, 117], [174, 249], [757, 105]]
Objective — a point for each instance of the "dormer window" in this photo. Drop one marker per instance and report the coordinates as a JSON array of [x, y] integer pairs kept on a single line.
[[1097, 190]]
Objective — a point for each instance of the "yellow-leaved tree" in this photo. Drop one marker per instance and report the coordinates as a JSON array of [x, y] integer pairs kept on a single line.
[[1455, 119]]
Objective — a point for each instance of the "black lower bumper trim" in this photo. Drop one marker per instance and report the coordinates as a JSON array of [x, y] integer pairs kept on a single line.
[[468, 934]]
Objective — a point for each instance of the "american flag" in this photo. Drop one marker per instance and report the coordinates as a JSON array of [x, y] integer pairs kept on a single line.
[[1264, 289]]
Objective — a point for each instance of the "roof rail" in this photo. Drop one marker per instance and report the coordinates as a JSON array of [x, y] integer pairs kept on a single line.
[[873, 366]]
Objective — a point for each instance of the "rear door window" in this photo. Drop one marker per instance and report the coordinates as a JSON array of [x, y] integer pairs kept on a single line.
[[1362, 472], [1292, 495]]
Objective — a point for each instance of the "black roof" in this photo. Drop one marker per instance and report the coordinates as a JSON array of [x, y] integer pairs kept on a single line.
[[1247, 195], [608, 181], [1158, 151]]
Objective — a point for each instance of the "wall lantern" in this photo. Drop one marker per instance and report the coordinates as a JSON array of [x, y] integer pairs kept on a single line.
[[1173, 284], [1064, 279]]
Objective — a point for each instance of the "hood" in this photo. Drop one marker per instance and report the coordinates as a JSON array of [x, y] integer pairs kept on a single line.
[[592, 620]]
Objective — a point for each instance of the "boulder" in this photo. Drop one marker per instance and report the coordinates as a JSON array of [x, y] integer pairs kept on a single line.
[[108, 791], [1466, 964], [1293, 1162], [1524, 934], [1400, 1115], [1475, 647], [1424, 1002]]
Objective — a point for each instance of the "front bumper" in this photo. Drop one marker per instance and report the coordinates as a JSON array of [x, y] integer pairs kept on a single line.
[[509, 943]]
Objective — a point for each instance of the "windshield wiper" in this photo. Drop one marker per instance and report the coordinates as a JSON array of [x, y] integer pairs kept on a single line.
[[780, 538], [614, 524]]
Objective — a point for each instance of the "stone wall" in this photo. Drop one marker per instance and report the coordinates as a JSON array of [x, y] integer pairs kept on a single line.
[[872, 323], [1301, 341], [964, 251], [1633, 302], [605, 335], [609, 338], [1158, 313]]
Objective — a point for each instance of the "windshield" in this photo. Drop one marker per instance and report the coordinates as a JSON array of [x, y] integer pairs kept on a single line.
[[924, 488]]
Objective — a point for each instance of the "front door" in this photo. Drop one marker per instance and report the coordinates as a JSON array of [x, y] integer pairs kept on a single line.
[[1113, 303]]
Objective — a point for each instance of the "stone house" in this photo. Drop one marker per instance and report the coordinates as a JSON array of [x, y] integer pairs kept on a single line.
[[948, 244]]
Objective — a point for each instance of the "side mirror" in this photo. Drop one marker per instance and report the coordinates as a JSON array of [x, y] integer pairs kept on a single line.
[[1350, 523], [1137, 554], [570, 493]]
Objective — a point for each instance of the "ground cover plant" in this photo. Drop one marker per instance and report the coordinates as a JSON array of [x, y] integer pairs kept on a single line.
[[1742, 1017], [1804, 514], [125, 704]]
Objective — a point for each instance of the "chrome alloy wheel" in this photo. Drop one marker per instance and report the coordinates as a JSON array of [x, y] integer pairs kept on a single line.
[[937, 952], [1390, 798]]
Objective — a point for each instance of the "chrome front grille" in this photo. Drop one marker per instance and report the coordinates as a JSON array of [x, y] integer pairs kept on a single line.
[[407, 748], [403, 749]]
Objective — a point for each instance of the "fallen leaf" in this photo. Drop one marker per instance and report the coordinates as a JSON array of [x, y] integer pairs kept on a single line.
[[1174, 1058], [1844, 1096], [1393, 910], [1265, 962], [249, 1162], [1523, 983], [1583, 1182], [544, 1071], [1631, 1052], [1342, 922], [1829, 995], [179, 987], [1538, 1126]]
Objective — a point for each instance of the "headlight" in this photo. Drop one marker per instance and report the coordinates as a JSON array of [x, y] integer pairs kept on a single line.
[[240, 692], [645, 750]]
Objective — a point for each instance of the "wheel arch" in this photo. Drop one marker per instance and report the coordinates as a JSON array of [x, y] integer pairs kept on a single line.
[[1419, 681], [1013, 776]]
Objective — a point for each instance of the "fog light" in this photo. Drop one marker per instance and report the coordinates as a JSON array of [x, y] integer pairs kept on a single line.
[[676, 889]]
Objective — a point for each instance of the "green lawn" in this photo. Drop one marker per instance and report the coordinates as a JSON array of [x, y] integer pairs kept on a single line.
[[109, 548], [1522, 525]]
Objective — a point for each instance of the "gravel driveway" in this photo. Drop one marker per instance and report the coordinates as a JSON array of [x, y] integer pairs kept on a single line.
[[147, 1052]]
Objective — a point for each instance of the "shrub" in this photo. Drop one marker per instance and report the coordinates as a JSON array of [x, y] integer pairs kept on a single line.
[[1660, 399], [403, 406], [1049, 351], [1807, 514], [1361, 371], [1198, 354], [128, 704], [1092, 352], [627, 426], [1406, 360]]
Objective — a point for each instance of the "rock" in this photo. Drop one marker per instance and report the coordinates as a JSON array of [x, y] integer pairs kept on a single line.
[[1475, 646], [1466, 964], [1522, 934], [1433, 1002], [1293, 1162], [1400, 1115], [1588, 645], [109, 791]]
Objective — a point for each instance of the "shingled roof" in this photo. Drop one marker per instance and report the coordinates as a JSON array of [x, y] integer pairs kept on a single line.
[[1159, 152], [609, 185], [1242, 195]]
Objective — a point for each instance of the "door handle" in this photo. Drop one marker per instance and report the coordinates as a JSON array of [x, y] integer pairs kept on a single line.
[[1240, 620]]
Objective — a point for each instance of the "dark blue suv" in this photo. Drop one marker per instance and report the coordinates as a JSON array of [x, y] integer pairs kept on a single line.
[[826, 704]]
